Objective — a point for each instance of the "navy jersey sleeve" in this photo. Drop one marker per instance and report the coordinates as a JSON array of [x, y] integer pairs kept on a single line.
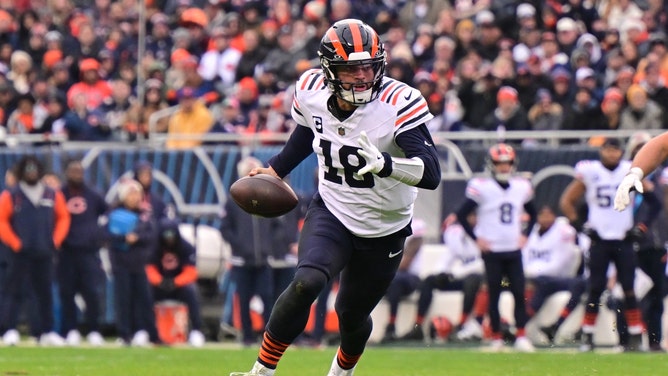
[[417, 142], [294, 152]]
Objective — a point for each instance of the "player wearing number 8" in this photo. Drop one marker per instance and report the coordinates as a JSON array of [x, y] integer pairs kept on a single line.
[[373, 147], [597, 181], [499, 201]]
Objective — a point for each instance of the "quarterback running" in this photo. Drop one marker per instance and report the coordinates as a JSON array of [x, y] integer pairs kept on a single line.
[[374, 150]]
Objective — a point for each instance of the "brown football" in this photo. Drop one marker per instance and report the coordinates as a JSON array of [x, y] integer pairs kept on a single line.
[[264, 195]]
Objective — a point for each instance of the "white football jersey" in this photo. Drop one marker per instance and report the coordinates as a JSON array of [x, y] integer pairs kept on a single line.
[[463, 256], [554, 254], [368, 205], [601, 186], [500, 210]]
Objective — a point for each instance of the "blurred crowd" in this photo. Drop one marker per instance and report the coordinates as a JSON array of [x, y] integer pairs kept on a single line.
[[71, 67]]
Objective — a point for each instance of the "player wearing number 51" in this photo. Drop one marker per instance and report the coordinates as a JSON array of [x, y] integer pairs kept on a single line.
[[374, 150], [610, 231]]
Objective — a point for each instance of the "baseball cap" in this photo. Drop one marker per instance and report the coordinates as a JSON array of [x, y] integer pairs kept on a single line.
[[566, 24], [525, 10], [583, 73], [186, 92], [612, 142], [484, 17], [89, 64], [560, 73], [506, 93]]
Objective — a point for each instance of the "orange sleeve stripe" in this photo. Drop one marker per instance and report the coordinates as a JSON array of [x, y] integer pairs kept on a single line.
[[396, 96], [63, 219], [7, 234], [408, 115], [357, 36], [187, 276], [153, 275], [388, 91]]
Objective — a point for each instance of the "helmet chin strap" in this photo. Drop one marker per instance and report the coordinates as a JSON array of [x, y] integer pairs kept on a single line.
[[356, 97]]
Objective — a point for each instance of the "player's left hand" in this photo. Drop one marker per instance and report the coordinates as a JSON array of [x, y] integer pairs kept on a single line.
[[375, 161], [632, 180]]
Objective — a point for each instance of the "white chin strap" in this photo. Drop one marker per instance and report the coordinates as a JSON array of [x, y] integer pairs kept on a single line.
[[357, 97], [502, 177]]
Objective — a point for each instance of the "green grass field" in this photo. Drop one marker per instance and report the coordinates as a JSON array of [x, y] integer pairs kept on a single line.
[[377, 361]]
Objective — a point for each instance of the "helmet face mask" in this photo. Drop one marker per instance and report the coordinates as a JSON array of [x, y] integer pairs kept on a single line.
[[349, 46], [501, 160]]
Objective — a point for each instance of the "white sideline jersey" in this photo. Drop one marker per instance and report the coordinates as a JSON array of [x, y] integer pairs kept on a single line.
[[500, 210], [369, 206], [463, 256], [554, 254], [601, 186]]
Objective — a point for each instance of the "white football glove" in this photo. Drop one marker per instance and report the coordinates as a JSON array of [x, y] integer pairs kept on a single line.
[[632, 180], [375, 161]]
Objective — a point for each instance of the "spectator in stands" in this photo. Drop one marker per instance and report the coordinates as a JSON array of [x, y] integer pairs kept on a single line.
[[526, 85], [568, 32], [131, 236], [545, 115], [34, 222], [464, 36], [219, 64], [138, 116], [508, 114], [21, 65], [159, 43], [115, 109], [624, 78], [248, 95], [488, 36], [172, 273], [192, 119], [550, 55], [479, 99], [86, 44], [282, 59], [27, 118], [79, 268], [252, 56], [59, 78], [584, 113], [95, 91], [656, 89], [586, 77], [611, 109], [590, 44], [406, 281], [251, 239], [614, 62], [641, 113]]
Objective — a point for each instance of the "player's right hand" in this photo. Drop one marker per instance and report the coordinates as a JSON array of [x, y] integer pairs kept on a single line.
[[633, 180]]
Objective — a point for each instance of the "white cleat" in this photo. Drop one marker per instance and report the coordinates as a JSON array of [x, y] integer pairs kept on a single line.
[[140, 339], [196, 338], [73, 338], [523, 344], [11, 337], [95, 339], [496, 345], [51, 339], [471, 330], [336, 370], [257, 370]]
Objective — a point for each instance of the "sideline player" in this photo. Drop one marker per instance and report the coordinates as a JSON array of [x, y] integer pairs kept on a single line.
[[596, 180], [373, 147], [500, 201]]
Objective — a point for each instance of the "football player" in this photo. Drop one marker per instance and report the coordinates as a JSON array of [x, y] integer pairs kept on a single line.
[[596, 181], [374, 150], [551, 258], [500, 201], [463, 270]]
